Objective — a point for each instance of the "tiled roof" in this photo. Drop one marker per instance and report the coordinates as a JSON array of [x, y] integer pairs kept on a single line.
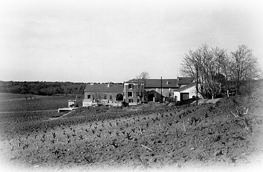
[[116, 88], [185, 80], [166, 83], [152, 92], [186, 87], [156, 83], [135, 81]]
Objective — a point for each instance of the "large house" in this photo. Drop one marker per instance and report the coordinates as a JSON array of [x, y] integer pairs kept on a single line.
[[136, 91], [133, 91], [106, 94], [157, 90]]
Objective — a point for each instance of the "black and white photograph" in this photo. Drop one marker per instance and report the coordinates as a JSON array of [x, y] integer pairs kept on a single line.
[[131, 85]]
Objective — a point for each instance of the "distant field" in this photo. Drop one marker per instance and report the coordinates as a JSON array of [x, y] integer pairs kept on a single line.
[[10, 96], [18, 102]]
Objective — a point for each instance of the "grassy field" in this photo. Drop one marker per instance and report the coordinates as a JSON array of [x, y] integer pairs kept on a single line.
[[10, 96], [18, 102]]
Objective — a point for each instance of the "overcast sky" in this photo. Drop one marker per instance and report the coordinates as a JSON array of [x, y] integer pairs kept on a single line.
[[102, 41]]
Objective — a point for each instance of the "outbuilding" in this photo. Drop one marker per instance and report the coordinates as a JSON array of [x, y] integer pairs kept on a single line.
[[186, 92], [106, 94]]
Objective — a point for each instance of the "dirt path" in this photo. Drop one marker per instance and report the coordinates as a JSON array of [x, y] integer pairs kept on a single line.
[[64, 115]]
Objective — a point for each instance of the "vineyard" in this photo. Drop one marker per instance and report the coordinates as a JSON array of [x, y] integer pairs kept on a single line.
[[149, 136]]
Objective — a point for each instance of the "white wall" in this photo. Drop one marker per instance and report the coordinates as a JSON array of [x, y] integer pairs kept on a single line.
[[177, 95], [86, 103], [190, 90]]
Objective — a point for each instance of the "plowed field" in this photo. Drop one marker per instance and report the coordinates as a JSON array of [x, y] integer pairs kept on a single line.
[[227, 134]]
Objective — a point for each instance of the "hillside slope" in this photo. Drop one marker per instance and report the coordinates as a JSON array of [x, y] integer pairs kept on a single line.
[[226, 135]]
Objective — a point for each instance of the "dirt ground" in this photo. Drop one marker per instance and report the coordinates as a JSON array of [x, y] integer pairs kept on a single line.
[[222, 136]]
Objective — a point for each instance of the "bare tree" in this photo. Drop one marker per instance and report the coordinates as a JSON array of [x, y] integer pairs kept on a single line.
[[207, 62], [215, 68], [143, 75], [223, 69], [243, 66], [141, 80]]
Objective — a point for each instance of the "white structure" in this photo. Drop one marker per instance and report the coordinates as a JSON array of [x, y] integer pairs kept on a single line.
[[72, 103], [186, 92]]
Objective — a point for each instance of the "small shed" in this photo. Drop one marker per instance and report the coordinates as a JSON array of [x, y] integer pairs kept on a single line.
[[186, 92]]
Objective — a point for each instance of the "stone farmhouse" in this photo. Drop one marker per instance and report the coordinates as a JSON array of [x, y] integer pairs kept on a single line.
[[136, 91], [133, 91], [106, 94]]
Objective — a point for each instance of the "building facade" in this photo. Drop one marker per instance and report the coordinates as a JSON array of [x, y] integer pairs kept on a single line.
[[137, 91], [133, 91], [159, 90], [105, 94], [186, 92], [187, 89]]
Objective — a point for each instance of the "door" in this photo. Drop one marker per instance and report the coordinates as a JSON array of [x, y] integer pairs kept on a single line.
[[184, 96]]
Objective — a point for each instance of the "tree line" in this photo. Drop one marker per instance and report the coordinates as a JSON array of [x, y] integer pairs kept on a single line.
[[217, 72], [42, 88]]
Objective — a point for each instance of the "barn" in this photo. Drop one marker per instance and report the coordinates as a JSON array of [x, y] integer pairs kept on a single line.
[[105, 94]]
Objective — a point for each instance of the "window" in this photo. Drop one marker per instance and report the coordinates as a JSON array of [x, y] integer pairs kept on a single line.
[[110, 97], [130, 100], [130, 86], [129, 94], [88, 96], [119, 97], [105, 96]]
